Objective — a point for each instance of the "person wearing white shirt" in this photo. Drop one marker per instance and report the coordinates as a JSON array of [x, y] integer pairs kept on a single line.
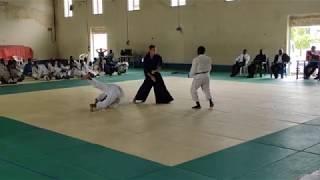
[[4, 73], [51, 69], [15, 71], [55, 70], [88, 68], [110, 96], [242, 60], [280, 61], [65, 70], [40, 71], [200, 72], [77, 69]]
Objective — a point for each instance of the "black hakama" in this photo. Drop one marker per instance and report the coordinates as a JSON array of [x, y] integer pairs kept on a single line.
[[162, 95]]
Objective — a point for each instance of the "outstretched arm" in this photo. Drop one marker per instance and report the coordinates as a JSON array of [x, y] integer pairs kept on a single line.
[[98, 84]]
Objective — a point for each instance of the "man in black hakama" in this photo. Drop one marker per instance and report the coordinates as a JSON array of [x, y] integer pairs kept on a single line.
[[152, 65]]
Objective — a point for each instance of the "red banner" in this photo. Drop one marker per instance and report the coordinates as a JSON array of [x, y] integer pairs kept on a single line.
[[7, 52]]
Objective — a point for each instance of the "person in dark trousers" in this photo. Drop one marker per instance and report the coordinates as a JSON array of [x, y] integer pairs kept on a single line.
[[153, 78], [27, 70], [280, 61], [257, 63], [313, 58], [242, 60]]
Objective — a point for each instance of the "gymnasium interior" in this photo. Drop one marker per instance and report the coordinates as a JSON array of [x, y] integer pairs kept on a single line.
[[260, 128]]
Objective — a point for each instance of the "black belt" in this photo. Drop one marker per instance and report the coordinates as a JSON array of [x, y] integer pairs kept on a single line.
[[202, 73]]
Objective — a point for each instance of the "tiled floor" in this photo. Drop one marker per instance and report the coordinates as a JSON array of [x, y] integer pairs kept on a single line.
[[203, 144]]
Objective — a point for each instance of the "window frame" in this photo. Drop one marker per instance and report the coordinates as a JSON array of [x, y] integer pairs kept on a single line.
[[135, 5], [178, 3], [96, 10], [67, 4]]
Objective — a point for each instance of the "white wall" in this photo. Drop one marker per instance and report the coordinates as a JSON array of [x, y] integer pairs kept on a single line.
[[224, 28], [26, 22]]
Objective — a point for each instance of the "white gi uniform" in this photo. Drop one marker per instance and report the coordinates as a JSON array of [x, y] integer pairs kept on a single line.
[[111, 94], [78, 71], [241, 58], [4, 73], [88, 69], [65, 70], [58, 72], [41, 72], [200, 71], [15, 74]]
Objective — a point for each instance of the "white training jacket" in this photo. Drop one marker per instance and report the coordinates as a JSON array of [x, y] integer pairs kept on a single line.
[[243, 56], [111, 94], [201, 65]]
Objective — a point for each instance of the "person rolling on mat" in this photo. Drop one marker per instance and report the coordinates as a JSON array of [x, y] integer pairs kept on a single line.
[[110, 96]]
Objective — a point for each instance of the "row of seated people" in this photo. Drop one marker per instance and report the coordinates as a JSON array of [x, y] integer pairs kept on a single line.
[[259, 62], [108, 65], [279, 64], [12, 72]]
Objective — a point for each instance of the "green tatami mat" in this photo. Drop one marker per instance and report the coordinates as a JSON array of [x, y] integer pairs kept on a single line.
[[10, 171], [39, 86], [284, 155], [291, 168], [173, 174], [297, 138], [9, 127], [266, 79], [63, 157], [137, 74], [314, 149], [105, 162], [38, 142], [314, 122], [34, 153], [236, 161]]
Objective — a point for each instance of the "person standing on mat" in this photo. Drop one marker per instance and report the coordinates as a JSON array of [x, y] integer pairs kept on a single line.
[[200, 72], [152, 66]]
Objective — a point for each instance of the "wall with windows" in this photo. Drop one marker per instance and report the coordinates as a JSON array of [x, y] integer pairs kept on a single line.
[[74, 32], [28, 23], [224, 28]]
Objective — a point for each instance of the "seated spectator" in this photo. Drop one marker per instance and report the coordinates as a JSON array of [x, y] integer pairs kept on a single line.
[[27, 70], [16, 74], [257, 63], [65, 70], [279, 64], [313, 58], [110, 56], [40, 72], [4, 73], [242, 60]]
